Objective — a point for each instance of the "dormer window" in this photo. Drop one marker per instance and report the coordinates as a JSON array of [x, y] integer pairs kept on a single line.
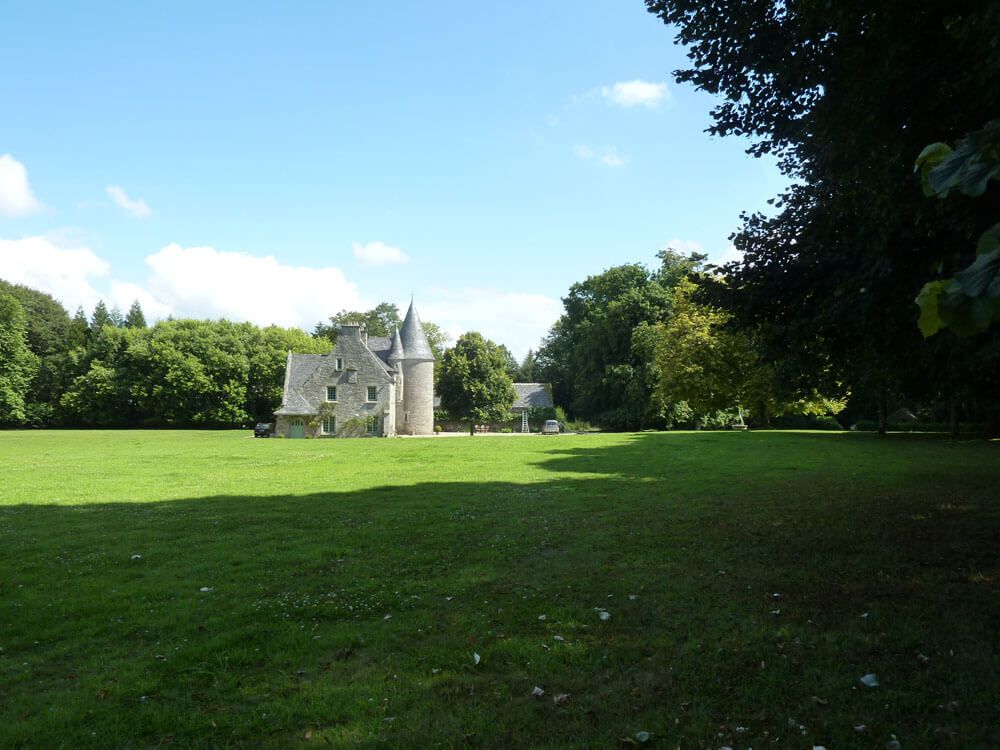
[[331, 393], [338, 364]]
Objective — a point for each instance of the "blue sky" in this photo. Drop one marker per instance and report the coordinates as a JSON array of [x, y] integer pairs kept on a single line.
[[278, 164]]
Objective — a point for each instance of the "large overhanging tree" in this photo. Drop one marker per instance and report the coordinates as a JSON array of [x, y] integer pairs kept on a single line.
[[846, 95]]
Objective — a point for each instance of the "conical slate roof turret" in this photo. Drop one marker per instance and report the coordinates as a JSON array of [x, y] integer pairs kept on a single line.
[[396, 350], [416, 347]]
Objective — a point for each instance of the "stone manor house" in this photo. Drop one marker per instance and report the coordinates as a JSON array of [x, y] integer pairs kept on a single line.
[[367, 385]]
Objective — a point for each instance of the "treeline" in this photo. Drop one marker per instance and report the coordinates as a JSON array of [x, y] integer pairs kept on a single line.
[[873, 285], [849, 97], [638, 348], [112, 370]]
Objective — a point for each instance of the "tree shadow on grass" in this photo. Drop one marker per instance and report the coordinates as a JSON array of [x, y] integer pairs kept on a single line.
[[354, 618]]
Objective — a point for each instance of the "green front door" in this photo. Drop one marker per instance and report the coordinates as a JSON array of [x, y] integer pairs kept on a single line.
[[298, 429]]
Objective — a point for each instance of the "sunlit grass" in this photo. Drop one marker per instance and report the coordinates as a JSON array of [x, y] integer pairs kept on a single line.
[[751, 579]]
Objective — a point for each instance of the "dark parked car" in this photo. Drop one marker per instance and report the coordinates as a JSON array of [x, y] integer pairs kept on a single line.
[[263, 429]]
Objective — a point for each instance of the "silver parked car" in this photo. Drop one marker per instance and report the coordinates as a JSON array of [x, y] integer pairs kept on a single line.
[[551, 427]]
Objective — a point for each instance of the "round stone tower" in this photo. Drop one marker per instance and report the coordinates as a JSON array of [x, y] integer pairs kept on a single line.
[[416, 417]]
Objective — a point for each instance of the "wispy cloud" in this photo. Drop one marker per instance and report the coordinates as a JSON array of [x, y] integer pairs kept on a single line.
[[16, 198], [608, 156], [635, 93], [137, 207], [380, 254]]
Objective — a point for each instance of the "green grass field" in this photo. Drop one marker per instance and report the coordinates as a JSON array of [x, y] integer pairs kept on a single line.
[[210, 590]]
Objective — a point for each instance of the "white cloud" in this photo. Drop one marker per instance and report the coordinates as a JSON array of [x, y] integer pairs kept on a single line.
[[635, 93], [379, 254], [517, 320], [124, 293], [137, 208], [65, 273], [717, 257], [16, 198], [204, 282], [608, 156]]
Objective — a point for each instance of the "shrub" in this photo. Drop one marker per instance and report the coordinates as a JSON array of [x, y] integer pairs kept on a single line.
[[826, 422], [807, 422]]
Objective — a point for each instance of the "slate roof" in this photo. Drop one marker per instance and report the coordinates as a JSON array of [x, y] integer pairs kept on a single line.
[[532, 395], [416, 347], [298, 369], [380, 346], [529, 395], [396, 351]]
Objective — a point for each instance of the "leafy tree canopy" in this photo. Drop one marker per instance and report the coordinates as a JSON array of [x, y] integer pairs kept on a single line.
[[46, 320], [845, 95], [135, 317], [597, 370], [17, 363], [473, 382]]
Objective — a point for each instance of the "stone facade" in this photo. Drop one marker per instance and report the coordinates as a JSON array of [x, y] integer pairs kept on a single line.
[[418, 399], [377, 387]]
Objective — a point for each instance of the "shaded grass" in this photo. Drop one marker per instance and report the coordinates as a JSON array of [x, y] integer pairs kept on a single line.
[[352, 582]]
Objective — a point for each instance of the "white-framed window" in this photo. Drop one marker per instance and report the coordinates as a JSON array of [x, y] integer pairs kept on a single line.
[[372, 425], [372, 393], [338, 364], [329, 425], [331, 393]]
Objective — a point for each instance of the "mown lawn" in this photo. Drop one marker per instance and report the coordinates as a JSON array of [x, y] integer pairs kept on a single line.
[[210, 590]]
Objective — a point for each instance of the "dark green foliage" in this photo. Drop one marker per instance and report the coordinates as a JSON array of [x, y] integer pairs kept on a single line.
[[969, 303], [473, 382], [50, 335], [100, 318], [845, 95], [46, 320], [135, 317], [79, 330], [181, 372], [526, 371], [17, 363], [510, 365]]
